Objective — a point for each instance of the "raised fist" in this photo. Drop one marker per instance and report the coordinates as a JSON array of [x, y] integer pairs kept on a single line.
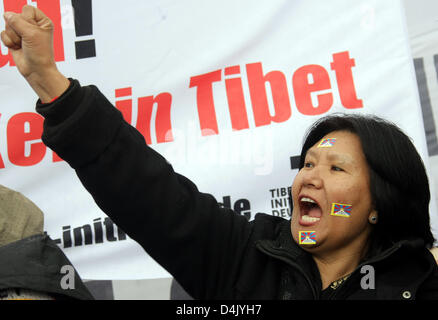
[[29, 36]]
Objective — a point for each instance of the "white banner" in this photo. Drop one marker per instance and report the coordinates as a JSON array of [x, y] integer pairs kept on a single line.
[[223, 89], [422, 20]]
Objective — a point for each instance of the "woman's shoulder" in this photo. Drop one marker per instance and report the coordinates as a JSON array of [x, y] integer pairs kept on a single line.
[[429, 288], [270, 224]]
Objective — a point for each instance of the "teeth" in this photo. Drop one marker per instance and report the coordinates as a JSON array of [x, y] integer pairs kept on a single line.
[[304, 199], [309, 219]]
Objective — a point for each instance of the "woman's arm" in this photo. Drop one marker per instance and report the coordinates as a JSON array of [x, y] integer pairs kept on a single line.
[[184, 230]]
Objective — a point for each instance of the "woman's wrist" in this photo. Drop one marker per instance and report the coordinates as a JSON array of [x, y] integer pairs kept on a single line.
[[48, 85]]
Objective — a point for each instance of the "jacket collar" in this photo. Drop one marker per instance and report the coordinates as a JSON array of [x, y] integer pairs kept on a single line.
[[35, 263], [284, 248]]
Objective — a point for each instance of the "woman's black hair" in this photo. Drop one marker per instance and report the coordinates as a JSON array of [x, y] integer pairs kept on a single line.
[[398, 182]]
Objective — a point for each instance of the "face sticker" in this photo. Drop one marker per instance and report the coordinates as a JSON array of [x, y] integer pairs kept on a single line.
[[327, 143], [307, 237], [341, 210]]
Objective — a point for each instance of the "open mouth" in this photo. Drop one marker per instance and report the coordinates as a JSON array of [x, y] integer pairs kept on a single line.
[[310, 211]]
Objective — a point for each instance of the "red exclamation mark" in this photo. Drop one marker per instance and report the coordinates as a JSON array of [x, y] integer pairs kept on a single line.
[[83, 27]]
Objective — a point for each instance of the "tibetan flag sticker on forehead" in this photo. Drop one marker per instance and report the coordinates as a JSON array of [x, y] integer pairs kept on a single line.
[[327, 143], [341, 210], [307, 237]]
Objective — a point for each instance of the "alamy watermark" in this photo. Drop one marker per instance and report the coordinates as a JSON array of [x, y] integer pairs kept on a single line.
[[368, 281], [68, 280]]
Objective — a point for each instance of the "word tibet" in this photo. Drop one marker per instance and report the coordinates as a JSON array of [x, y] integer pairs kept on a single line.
[[281, 203], [307, 80]]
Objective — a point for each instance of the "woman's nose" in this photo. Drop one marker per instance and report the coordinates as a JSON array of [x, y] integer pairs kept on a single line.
[[312, 178]]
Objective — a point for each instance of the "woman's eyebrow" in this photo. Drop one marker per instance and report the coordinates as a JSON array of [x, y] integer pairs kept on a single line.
[[342, 158], [333, 156], [311, 153]]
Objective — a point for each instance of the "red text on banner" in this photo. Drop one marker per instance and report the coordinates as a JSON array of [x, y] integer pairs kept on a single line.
[[52, 9], [306, 80], [162, 101], [24, 131]]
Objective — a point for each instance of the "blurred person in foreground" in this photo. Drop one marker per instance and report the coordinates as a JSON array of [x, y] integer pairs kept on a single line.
[[360, 201], [30, 262]]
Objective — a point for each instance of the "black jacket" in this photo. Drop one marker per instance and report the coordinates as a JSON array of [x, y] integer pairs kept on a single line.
[[211, 251], [35, 263]]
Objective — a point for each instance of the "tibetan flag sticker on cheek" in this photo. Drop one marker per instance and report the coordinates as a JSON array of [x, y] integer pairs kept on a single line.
[[307, 237], [327, 143], [341, 210]]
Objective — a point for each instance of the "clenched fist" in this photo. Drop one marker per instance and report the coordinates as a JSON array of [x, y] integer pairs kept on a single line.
[[29, 37]]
